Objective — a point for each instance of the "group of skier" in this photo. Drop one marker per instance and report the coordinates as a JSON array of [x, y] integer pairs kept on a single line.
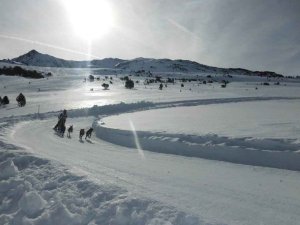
[[60, 127], [21, 100]]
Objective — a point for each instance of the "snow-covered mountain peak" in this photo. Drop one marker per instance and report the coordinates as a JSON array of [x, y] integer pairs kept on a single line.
[[30, 55], [32, 52], [35, 58]]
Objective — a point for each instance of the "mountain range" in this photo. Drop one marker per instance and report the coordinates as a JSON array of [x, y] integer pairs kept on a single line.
[[35, 58]]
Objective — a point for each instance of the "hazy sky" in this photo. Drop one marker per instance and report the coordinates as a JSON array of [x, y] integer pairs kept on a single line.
[[252, 34]]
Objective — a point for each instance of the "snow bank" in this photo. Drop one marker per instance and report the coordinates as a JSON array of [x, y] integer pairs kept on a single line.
[[32, 204], [8, 169], [276, 153], [35, 191], [110, 109], [130, 107], [143, 105]]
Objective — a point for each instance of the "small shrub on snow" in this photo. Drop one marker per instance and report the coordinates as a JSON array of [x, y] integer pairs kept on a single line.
[[105, 86], [129, 84], [91, 78], [160, 86], [5, 101]]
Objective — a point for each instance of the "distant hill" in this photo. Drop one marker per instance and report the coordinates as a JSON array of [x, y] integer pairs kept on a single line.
[[34, 58], [179, 65]]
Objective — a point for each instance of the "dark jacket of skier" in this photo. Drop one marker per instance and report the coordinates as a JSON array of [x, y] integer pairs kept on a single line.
[[62, 117], [21, 100]]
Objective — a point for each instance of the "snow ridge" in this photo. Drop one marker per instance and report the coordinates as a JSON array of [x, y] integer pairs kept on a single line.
[[276, 153], [105, 110], [36, 191]]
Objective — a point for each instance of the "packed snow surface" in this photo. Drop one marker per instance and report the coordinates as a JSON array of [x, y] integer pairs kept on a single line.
[[47, 179], [264, 119], [200, 187]]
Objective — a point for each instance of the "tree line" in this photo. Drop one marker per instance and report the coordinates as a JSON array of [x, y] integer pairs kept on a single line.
[[19, 71]]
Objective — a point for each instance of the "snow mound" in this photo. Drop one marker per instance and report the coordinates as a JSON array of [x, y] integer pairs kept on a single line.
[[8, 169], [60, 215], [110, 109], [276, 153], [32, 204], [46, 193]]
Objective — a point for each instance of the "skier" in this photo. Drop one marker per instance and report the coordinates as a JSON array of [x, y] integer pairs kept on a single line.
[[89, 133], [21, 100], [61, 121]]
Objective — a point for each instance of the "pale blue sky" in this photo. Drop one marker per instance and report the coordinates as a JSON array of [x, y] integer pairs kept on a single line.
[[252, 34]]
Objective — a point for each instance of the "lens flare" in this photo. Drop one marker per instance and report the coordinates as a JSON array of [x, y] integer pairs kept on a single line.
[[136, 140]]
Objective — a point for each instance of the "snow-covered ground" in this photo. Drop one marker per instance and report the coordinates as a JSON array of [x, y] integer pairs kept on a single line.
[[250, 131], [47, 179], [67, 89], [259, 119]]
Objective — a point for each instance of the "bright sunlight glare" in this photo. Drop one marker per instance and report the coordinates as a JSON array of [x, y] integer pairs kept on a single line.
[[90, 18], [136, 140]]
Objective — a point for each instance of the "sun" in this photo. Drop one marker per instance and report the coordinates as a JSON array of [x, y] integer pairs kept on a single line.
[[90, 18]]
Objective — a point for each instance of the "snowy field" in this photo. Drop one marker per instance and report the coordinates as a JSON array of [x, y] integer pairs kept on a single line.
[[258, 119], [121, 175]]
